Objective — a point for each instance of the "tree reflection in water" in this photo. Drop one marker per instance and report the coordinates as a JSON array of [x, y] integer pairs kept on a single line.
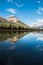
[[11, 37]]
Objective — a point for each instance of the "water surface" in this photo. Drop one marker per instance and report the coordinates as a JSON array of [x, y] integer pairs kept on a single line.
[[21, 48]]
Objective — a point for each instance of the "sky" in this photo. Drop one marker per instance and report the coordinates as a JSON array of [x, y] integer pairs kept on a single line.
[[28, 11]]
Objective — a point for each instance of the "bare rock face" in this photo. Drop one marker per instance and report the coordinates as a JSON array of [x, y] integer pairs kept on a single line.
[[13, 19]]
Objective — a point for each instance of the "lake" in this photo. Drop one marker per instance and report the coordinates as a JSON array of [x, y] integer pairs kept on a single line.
[[21, 48]]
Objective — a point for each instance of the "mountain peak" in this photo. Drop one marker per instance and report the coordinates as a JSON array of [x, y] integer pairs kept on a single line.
[[12, 19]]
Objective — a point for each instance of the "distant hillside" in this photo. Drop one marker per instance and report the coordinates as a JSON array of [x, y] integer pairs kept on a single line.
[[39, 26], [12, 23], [17, 22], [2, 20]]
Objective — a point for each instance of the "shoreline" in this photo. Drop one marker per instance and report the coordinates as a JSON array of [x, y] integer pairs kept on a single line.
[[20, 30]]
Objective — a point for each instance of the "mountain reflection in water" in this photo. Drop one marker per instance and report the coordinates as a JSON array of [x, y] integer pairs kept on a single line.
[[11, 36], [21, 48]]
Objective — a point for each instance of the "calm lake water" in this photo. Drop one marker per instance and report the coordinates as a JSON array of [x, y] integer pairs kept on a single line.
[[21, 48]]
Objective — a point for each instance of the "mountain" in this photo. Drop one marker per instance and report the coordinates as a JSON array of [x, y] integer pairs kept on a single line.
[[2, 20], [12, 19], [16, 21], [39, 26], [13, 22]]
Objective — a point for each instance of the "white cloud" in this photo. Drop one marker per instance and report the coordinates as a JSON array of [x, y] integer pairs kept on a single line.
[[32, 24], [37, 23], [40, 20], [40, 10], [18, 4], [11, 10], [11, 1], [11, 15], [38, 1]]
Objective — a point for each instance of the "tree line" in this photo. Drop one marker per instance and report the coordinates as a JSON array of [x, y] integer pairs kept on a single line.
[[10, 27]]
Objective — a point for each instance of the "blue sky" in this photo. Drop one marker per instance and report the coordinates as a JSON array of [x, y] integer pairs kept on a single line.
[[28, 11]]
